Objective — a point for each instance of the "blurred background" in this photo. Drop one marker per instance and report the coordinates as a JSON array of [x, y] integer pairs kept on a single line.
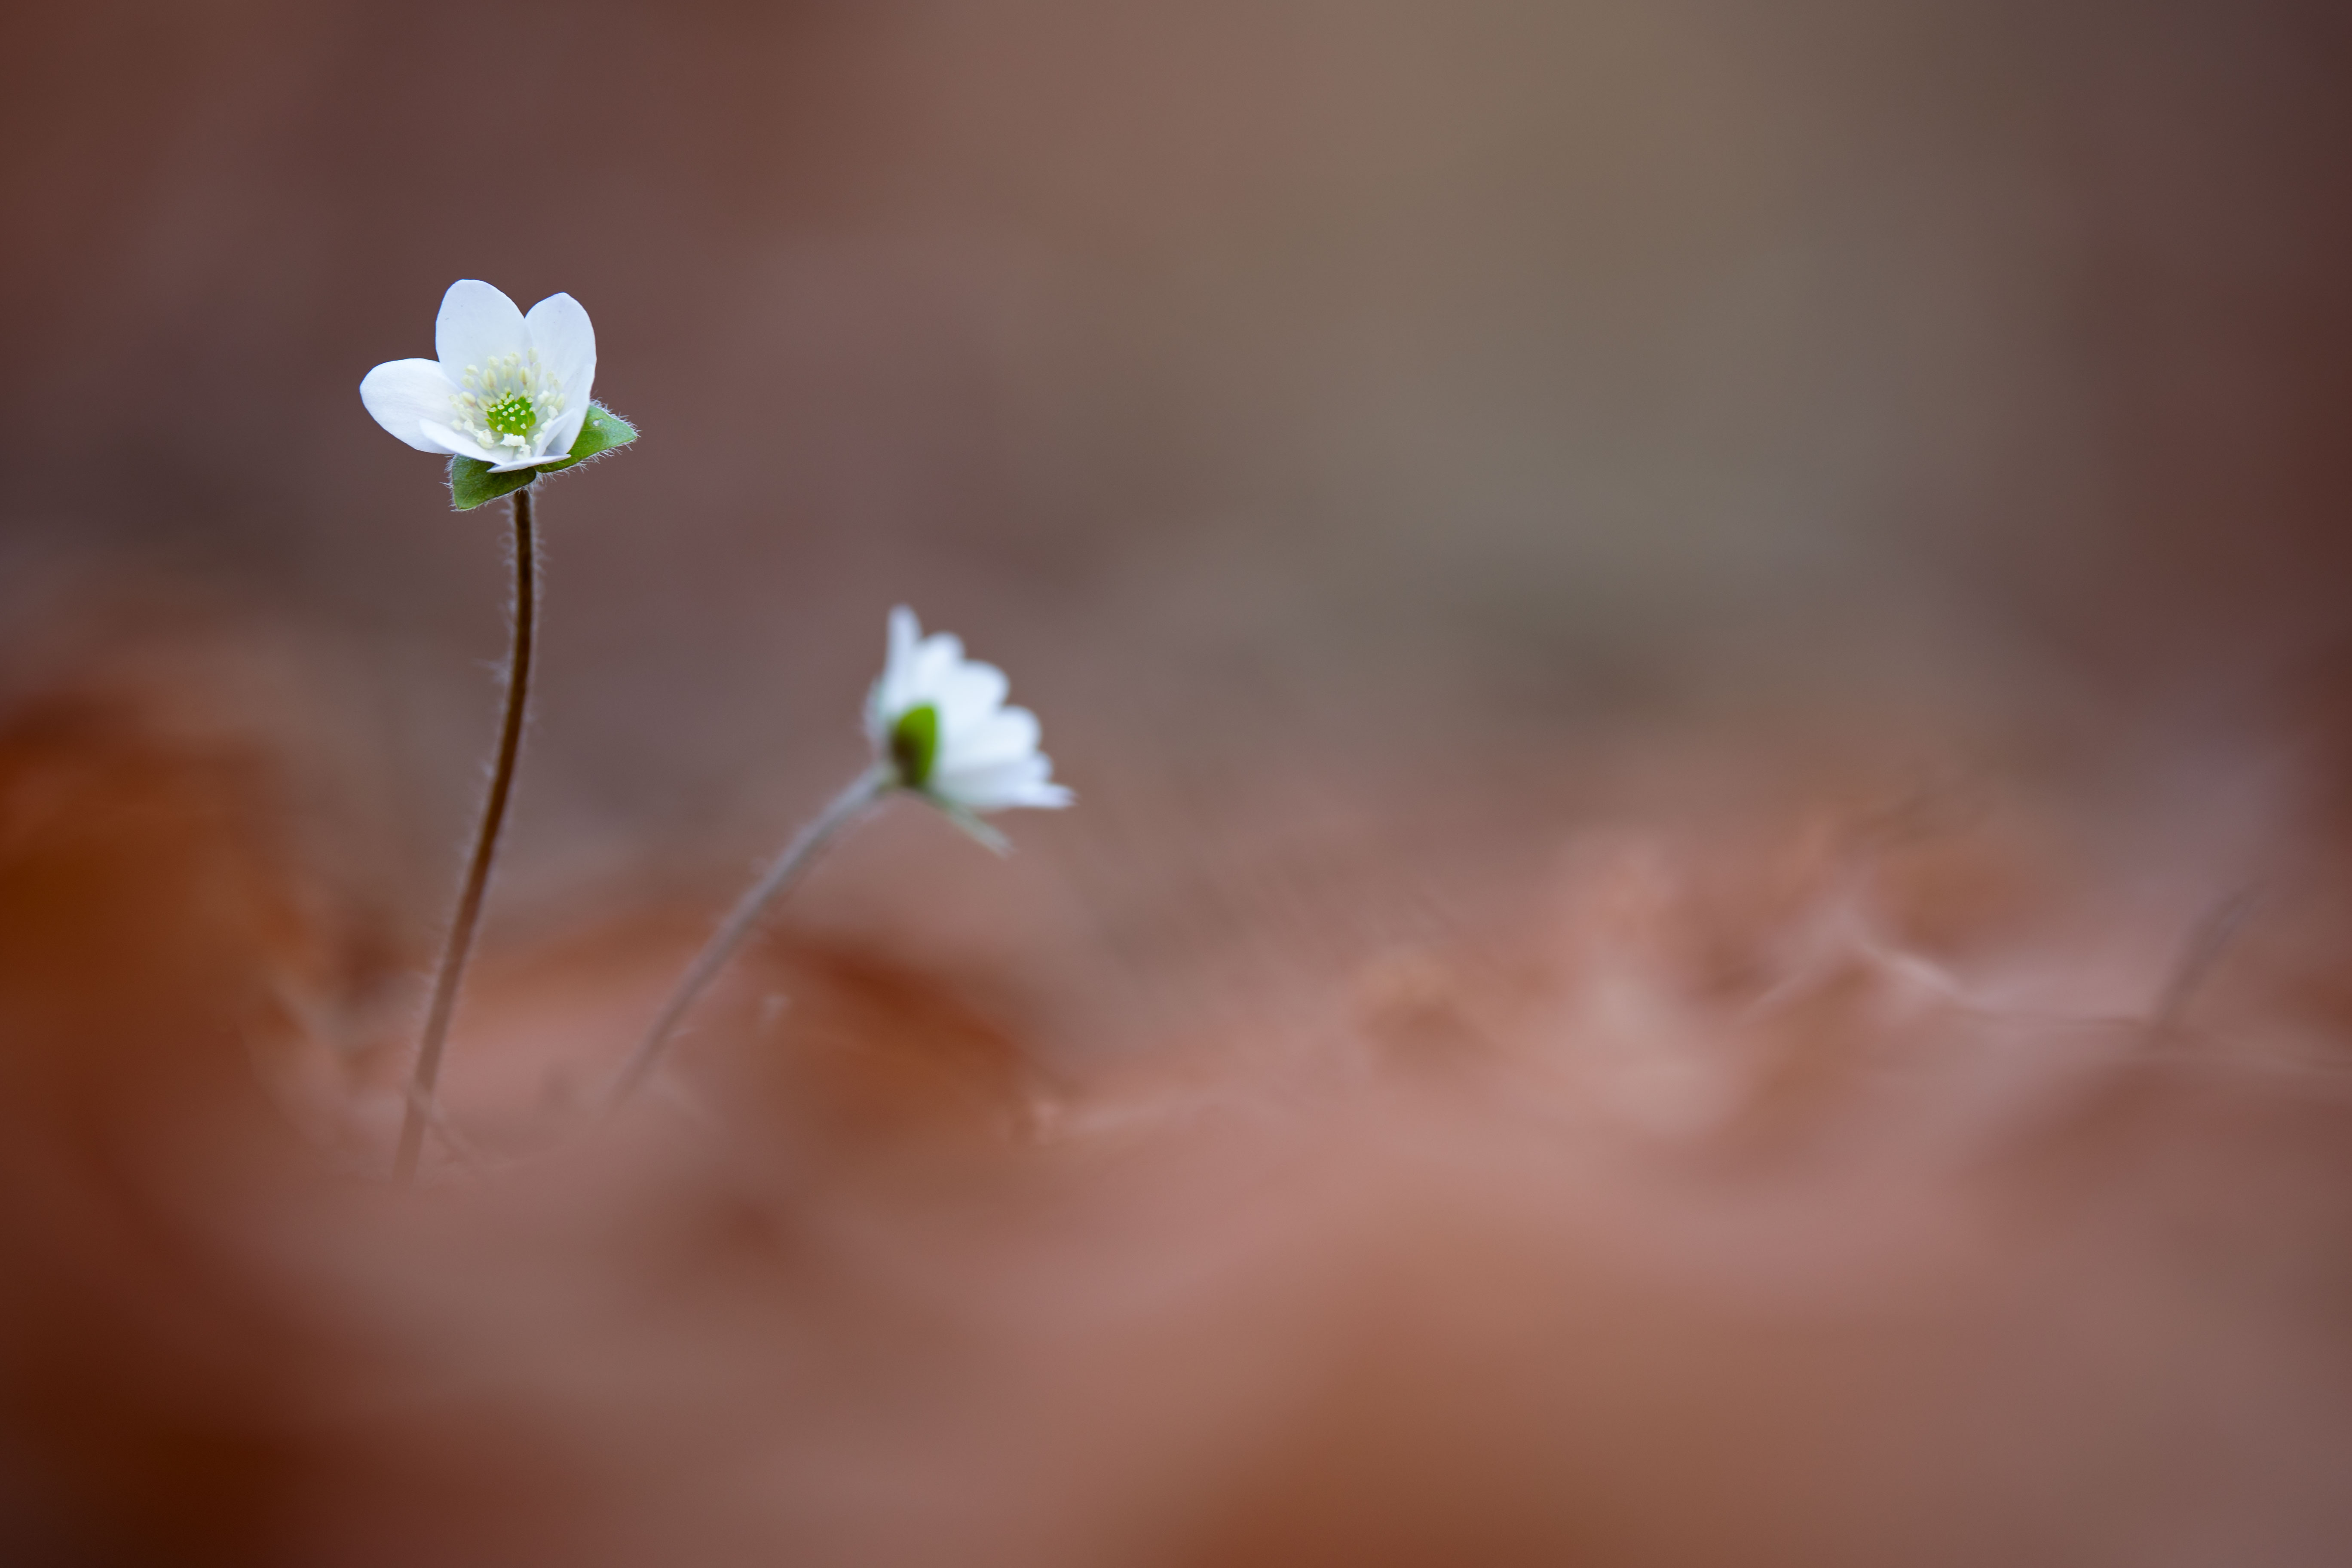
[[1378, 437], [1376, 382]]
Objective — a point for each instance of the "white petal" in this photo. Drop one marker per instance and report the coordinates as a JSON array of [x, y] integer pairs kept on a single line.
[[444, 439], [566, 342], [968, 695], [558, 437], [964, 780], [1025, 781], [906, 632], [477, 323], [934, 660], [1003, 736], [892, 695], [1044, 795], [510, 461], [404, 393]]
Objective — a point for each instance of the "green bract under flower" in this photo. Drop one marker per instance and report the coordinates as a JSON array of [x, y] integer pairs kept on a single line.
[[915, 744], [472, 482]]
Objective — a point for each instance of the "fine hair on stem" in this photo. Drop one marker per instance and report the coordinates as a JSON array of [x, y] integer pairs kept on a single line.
[[845, 808], [459, 945]]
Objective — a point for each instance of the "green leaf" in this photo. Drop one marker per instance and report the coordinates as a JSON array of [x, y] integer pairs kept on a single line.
[[472, 482], [601, 431]]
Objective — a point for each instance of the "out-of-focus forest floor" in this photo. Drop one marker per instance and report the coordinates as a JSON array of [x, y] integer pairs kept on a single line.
[[1837, 1166]]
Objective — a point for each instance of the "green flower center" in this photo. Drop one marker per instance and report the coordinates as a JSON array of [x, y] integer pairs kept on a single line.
[[505, 401], [915, 744], [511, 415]]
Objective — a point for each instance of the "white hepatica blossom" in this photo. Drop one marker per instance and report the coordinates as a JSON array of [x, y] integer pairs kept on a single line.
[[509, 389], [938, 723]]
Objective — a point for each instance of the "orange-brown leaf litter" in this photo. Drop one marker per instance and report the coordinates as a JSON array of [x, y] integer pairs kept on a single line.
[[1810, 1179]]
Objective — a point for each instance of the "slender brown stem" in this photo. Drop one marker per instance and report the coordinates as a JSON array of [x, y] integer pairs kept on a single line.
[[845, 808], [2207, 940], [460, 945]]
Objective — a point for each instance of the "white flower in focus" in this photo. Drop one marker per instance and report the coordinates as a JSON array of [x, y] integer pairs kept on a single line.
[[509, 389], [938, 721]]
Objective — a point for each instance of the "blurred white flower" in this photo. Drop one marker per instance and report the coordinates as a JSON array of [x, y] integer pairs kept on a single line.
[[509, 389], [939, 726]]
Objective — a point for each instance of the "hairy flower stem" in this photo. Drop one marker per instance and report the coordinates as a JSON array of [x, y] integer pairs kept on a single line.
[[846, 807], [460, 945]]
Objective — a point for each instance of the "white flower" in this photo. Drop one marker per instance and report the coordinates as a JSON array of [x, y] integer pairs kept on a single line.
[[509, 389], [939, 722]]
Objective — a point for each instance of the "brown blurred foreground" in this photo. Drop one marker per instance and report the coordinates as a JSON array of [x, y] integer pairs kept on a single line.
[[1747, 1194]]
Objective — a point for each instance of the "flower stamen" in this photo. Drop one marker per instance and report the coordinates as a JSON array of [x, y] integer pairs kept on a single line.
[[508, 402]]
